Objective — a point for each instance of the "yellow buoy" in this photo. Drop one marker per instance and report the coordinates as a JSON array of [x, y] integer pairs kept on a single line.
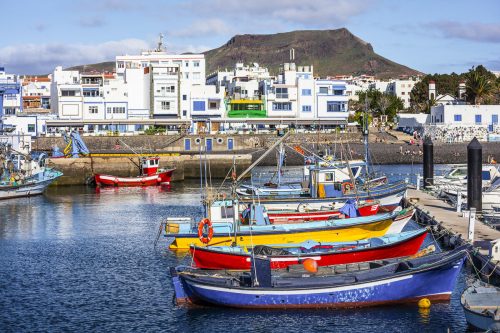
[[424, 303]]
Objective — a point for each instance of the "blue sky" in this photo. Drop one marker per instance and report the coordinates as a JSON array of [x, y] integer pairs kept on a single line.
[[430, 36]]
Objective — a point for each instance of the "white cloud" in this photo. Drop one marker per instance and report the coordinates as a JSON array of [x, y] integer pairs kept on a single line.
[[43, 58], [308, 13], [479, 32], [204, 28]]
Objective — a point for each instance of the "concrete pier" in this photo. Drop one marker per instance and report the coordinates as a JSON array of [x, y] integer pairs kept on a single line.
[[453, 228]]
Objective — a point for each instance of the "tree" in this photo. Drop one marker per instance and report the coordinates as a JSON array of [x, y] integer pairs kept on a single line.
[[480, 85], [379, 104]]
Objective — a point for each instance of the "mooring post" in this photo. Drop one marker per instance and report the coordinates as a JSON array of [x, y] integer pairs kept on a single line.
[[474, 175], [428, 162], [418, 181], [459, 201], [472, 222]]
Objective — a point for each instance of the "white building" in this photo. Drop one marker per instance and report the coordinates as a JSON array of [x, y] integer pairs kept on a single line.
[[10, 93], [36, 94], [152, 85], [402, 89], [331, 99]]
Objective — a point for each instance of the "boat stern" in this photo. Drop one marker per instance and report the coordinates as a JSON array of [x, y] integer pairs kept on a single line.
[[180, 295]]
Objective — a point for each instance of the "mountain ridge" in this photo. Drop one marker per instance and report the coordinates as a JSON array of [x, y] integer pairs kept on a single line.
[[331, 52]]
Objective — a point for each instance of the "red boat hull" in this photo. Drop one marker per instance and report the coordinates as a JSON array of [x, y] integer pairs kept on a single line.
[[366, 210], [212, 259], [152, 180]]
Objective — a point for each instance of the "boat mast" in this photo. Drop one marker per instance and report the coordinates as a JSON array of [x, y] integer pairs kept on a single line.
[[365, 136]]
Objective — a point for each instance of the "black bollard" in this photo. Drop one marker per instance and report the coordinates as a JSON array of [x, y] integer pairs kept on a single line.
[[474, 175], [428, 162]]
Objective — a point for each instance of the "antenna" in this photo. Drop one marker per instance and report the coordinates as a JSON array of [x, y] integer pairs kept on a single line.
[[160, 43]]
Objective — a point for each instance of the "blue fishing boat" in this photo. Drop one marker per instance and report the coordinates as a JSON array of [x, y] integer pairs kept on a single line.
[[339, 286], [481, 304]]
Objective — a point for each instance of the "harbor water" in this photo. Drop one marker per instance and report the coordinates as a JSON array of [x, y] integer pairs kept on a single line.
[[78, 260]]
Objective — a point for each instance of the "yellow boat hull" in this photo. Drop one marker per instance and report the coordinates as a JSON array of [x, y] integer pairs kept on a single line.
[[333, 234]]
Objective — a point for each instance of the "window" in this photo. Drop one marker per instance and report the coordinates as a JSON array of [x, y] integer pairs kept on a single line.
[[165, 105], [118, 109], [93, 109], [323, 90], [282, 106], [196, 63], [186, 75], [335, 106], [68, 93], [184, 97], [306, 108], [402, 93], [184, 113], [458, 117], [338, 92], [306, 92], [494, 119], [212, 105], [186, 63], [199, 106], [329, 176], [31, 127], [170, 89], [478, 119], [281, 92], [108, 109], [196, 76], [91, 93]]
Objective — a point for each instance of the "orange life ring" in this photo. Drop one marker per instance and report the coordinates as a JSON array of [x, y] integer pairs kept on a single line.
[[347, 187], [205, 239]]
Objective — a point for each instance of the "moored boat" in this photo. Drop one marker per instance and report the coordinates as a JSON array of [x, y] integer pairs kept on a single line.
[[23, 176], [354, 285], [185, 232], [367, 208], [151, 175], [325, 254], [481, 304]]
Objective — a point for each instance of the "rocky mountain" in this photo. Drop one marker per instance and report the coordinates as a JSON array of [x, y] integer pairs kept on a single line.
[[332, 52]]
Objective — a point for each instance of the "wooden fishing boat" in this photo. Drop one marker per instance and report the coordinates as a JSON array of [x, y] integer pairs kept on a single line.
[[367, 208], [186, 232], [27, 177], [340, 286], [481, 304], [325, 254], [151, 175]]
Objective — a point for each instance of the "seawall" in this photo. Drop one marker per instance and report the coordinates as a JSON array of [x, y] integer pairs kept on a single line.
[[79, 171]]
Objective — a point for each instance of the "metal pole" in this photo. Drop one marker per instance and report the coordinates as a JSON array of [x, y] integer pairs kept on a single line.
[[428, 163], [459, 201], [474, 175], [472, 222]]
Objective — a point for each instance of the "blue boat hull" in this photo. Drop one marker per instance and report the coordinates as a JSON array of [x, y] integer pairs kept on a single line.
[[435, 284]]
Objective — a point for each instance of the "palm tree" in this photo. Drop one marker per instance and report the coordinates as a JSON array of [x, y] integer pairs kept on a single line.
[[478, 85]]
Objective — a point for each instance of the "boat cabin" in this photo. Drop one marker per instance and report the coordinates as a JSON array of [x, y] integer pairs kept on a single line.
[[332, 182], [149, 165]]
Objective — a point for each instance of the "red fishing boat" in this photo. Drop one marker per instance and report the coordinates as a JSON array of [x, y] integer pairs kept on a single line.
[[366, 208], [233, 257], [151, 175]]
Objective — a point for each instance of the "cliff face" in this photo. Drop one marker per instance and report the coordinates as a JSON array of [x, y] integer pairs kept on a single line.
[[332, 52]]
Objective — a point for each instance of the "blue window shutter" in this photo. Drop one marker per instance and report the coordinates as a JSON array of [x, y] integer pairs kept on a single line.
[[199, 106]]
